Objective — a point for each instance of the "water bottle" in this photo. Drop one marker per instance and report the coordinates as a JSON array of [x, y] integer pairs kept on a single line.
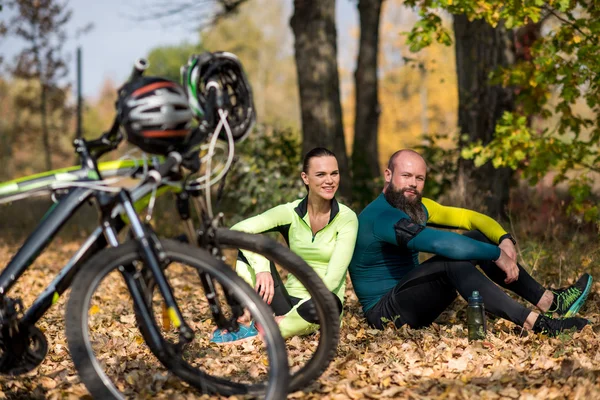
[[476, 317]]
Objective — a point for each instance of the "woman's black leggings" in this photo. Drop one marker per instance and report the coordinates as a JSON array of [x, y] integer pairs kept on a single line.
[[421, 296], [283, 303]]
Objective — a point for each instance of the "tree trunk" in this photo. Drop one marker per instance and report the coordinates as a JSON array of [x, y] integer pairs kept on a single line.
[[45, 132], [313, 24], [480, 49], [523, 40], [365, 154]]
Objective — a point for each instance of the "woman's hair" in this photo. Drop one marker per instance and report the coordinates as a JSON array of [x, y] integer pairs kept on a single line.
[[316, 152]]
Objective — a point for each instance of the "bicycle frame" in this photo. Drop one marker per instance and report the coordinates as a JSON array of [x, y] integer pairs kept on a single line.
[[69, 174], [110, 206], [52, 222], [58, 214], [35, 244]]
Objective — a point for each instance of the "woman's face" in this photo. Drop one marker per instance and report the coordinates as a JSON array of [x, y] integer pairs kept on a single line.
[[322, 177]]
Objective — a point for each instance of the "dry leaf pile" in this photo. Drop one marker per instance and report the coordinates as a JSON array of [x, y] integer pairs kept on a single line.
[[437, 362]]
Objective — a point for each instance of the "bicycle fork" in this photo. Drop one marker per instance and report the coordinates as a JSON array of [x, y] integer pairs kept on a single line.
[[152, 256], [198, 238]]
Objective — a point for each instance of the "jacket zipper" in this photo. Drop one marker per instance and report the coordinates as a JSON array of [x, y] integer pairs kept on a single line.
[[316, 233]]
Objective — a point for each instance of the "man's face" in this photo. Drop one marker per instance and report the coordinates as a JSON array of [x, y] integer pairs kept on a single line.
[[408, 176], [405, 186]]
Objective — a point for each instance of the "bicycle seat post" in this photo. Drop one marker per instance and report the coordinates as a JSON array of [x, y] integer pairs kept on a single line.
[[183, 208]]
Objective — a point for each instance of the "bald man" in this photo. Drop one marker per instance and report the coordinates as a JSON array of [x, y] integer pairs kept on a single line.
[[391, 285]]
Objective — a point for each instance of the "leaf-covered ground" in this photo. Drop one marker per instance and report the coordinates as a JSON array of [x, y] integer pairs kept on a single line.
[[437, 362]]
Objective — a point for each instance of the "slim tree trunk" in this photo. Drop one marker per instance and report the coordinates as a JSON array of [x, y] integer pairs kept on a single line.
[[45, 132], [480, 49], [365, 154], [313, 24], [423, 94], [523, 40], [7, 137]]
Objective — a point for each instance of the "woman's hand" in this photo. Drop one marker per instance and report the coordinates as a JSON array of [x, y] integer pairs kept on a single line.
[[265, 286]]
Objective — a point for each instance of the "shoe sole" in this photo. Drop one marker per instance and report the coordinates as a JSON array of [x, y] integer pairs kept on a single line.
[[232, 342], [259, 335], [574, 309]]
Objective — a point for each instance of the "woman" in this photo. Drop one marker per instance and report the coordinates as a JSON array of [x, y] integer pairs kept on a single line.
[[317, 228]]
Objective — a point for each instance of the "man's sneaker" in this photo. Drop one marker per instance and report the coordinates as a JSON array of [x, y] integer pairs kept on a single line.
[[221, 336], [567, 301], [553, 327]]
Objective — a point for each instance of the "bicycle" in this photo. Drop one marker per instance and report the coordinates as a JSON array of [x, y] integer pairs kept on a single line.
[[209, 233], [142, 257]]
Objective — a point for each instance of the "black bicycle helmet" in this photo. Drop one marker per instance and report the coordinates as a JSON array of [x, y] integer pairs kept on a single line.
[[225, 70], [155, 114]]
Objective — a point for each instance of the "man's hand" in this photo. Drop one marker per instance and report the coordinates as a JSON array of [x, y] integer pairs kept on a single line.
[[509, 266], [265, 286], [508, 247]]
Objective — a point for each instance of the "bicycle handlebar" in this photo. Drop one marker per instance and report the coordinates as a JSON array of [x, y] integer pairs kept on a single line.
[[214, 99], [156, 175], [140, 65]]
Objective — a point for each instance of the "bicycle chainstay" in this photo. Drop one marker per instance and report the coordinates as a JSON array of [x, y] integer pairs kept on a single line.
[[22, 349]]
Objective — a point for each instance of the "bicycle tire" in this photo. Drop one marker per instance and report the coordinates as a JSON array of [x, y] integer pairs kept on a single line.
[[323, 298], [325, 304], [108, 260]]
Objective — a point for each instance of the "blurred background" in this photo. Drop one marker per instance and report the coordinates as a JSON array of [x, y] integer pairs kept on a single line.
[[501, 101]]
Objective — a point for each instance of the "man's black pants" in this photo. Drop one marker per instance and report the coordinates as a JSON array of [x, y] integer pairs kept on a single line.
[[421, 296]]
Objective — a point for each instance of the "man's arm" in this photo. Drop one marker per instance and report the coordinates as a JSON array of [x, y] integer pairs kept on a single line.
[[407, 234], [454, 217], [395, 228]]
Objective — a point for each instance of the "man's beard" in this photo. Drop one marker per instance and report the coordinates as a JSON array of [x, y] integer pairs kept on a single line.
[[413, 208]]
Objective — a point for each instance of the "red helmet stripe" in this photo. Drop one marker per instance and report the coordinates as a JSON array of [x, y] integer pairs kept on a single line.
[[164, 134], [152, 86]]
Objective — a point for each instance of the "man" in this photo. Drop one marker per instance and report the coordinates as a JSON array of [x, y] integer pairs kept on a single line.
[[392, 286]]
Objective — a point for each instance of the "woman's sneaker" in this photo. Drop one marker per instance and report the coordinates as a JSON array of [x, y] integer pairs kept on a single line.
[[221, 336], [567, 301], [553, 327]]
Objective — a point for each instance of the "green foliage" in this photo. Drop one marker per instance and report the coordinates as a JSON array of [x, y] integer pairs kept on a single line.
[[363, 195], [266, 174], [564, 61], [442, 162], [21, 150], [259, 35], [513, 12], [428, 28], [166, 61], [41, 28]]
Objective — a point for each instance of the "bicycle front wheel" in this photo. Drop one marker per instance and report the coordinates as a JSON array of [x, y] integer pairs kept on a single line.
[[318, 351], [324, 301], [108, 351]]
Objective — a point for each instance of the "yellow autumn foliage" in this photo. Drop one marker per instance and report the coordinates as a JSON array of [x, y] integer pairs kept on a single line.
[[417, 92]]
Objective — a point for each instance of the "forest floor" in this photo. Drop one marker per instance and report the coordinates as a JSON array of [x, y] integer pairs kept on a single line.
[[436, 362]]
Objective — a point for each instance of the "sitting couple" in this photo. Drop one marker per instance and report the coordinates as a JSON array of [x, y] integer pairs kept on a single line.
[[381, 251]]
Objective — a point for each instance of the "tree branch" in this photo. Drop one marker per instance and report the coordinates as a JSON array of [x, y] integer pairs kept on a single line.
[[168, 9], [591, 167], [207, 12], [566, 21]]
